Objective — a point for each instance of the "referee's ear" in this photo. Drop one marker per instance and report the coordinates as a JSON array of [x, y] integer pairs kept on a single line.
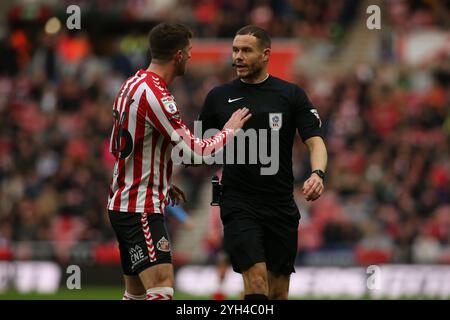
[[266, 54]]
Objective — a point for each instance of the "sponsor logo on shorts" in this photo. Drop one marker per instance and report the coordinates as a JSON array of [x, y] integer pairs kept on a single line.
[[136, 255], [163, 245]]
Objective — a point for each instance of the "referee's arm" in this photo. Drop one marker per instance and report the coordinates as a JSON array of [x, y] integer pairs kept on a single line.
[[313, 187]]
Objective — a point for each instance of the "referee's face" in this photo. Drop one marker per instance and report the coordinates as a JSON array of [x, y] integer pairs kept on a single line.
[[249, 59]]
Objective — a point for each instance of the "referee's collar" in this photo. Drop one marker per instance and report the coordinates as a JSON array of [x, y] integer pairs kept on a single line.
[[259, 82]]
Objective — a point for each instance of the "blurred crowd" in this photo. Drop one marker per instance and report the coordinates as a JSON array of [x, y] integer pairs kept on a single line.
[[216, 18], [407, 15], [388, 137], [387, 131]]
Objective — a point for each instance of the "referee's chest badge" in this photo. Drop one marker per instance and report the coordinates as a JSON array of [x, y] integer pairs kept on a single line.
[[275, 121]]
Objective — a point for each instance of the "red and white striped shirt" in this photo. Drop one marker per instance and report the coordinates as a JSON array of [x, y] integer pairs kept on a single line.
[[146, 123]]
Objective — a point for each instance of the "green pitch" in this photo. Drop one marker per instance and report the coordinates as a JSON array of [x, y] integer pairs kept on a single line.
[[88, 293], [115, 293]]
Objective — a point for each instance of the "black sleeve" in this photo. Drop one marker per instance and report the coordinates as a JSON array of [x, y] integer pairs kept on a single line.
[[208, 115], [307, 118]]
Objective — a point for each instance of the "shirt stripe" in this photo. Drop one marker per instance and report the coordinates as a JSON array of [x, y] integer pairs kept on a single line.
[[141, 181]]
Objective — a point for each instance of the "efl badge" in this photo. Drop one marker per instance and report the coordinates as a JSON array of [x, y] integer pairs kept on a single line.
[[169, 105], [163, 245], [316, 114], [275, 121]]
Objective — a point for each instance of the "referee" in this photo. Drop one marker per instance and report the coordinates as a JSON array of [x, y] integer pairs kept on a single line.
[[258, 211]]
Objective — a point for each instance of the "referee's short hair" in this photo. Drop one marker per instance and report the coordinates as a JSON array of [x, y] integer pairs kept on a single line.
[[259, 33], [165, 39]]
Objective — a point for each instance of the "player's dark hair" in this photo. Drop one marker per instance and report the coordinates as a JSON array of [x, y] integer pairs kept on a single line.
[[259, 33], [166, 39]]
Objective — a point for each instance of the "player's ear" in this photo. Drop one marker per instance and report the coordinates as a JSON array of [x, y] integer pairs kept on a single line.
[[178, 56]]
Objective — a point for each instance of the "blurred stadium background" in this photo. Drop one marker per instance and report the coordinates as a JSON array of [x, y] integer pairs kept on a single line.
[[383, 96]]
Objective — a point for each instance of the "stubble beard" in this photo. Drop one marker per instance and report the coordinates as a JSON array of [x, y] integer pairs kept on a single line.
[[252, 73]]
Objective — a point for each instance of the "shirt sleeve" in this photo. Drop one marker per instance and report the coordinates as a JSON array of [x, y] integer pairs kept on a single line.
[[163, 114], [307, 119]]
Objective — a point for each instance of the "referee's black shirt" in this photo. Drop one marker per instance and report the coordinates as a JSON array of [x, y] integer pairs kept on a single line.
[[275, 104]]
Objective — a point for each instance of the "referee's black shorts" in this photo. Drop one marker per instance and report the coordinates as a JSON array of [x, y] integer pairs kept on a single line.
[[260, 231], [143, 240]]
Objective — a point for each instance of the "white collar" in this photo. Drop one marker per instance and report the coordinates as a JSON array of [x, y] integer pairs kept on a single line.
[[256, 82]]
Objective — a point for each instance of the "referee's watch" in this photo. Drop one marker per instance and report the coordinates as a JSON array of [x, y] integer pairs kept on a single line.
[[320, 173]]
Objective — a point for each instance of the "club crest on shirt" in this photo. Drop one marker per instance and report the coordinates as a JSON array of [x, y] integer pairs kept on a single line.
[[163, 245], [275, 121], [169, 104]]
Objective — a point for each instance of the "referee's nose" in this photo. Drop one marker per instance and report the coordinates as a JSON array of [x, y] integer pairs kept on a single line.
[[238, 56]]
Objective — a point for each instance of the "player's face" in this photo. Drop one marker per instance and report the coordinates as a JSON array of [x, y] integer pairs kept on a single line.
[[182, 58], [249, 59]]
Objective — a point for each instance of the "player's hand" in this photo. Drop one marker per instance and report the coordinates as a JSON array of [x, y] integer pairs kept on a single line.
[[313, 187], [238, 119], [176, 195]]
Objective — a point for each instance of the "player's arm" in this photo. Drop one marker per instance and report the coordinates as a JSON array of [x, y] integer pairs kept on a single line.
[[201, 149], [166, 119], [207, 119]]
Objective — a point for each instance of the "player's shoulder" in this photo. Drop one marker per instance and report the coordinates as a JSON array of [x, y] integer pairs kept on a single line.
[[130, 85], [136, 81], [157, 86]]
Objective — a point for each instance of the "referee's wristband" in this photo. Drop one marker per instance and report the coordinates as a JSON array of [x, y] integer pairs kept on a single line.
[[320, 173]]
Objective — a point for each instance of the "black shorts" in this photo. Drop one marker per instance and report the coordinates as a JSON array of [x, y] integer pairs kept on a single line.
[[261, 231], [143, 240]]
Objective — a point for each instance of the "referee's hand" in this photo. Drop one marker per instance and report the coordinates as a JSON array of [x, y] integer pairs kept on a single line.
[[237, 119], [313, 187]]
